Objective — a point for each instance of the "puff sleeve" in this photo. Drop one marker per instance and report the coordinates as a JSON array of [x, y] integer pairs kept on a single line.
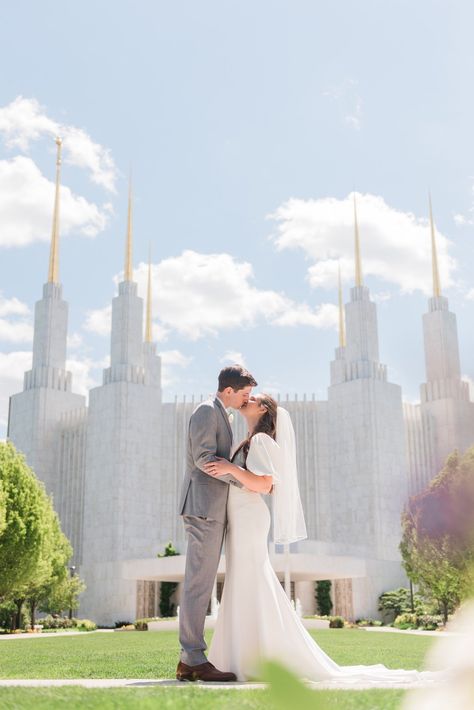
[[263, 455]]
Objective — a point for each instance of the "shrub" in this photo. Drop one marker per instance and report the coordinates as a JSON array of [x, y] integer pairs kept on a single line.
[[86, 625], [142, 624], [119, 624], [398, 601], [430, 622], [406, 621], [56, 622], [368, 622], [336, 622]]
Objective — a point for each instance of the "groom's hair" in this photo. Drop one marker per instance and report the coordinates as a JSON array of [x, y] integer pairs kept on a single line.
[[237, 377]]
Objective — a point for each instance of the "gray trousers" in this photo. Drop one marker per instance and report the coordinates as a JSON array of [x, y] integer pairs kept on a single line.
[[205, 537]]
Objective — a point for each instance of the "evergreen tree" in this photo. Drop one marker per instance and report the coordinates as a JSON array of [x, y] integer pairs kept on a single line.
[[323, 597], [167, 589]]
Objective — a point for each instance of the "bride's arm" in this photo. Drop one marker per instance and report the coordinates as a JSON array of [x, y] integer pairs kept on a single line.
[[256, 483]]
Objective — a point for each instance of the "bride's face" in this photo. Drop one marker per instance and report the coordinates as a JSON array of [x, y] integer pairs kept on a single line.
[[253, 409]]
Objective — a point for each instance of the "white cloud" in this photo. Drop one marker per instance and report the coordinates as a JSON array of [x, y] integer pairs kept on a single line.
[[159, 333], [463, 221], [354, 118], [199, 295], [466, 220], [349, 102], [26, 206], [12, 368], [99, 320], [12, 306], [233, 357], [15, 321], [324, 316], [170, 360], [381, 296], [74, 341], [176, 358], [395, 245], [24, 121], [15, 331], [85, 374], [27, 196]]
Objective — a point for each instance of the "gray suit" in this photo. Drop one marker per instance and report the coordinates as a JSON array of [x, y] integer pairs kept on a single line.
[[203, 507]]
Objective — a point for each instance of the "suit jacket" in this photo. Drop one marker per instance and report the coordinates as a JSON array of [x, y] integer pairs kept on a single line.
[[209, 435]]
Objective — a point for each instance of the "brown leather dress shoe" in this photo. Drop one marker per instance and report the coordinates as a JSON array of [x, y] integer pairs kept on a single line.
[[205, 671]]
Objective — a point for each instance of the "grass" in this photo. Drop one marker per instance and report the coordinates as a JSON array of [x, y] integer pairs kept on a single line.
[[184, 699], [154, 655]]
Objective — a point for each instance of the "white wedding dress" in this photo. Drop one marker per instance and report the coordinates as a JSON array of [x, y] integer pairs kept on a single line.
[[256, 620]]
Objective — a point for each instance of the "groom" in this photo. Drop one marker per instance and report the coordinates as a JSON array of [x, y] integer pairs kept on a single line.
[[203, 507]]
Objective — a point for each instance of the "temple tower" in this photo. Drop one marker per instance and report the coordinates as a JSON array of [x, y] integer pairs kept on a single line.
[[366, 459], [445, 402], [122, 488], [35, 413]]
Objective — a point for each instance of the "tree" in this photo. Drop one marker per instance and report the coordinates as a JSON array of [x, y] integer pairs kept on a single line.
[[3, 507], [33, 549], [323, 597], [167, 589], [23, 513], [399, 601], [51, 570], [7, 615], [438, 534], [62, 594]]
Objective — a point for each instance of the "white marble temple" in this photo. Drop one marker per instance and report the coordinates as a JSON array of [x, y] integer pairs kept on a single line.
[[114, 468]]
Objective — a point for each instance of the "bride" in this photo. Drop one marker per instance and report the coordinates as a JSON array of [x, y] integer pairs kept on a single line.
[[256, 620]]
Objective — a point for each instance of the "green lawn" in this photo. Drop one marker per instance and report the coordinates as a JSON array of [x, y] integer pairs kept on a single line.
[[184, 699], [154, 655]]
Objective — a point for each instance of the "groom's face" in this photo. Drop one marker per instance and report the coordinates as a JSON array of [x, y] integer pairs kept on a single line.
[[240, 398]]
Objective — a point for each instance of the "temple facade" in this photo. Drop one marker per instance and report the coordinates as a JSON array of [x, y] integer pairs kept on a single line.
[[114, 467]]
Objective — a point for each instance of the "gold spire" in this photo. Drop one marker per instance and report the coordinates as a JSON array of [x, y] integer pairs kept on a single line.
[[358, 264], [53, 272], [434, 255], [148, 325], [342, 327], [128, 273]]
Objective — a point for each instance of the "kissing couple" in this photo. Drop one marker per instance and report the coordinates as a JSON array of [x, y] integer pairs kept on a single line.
[[222, 496]]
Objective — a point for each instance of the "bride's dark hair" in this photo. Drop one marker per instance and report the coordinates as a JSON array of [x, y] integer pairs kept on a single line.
[[266, 424]]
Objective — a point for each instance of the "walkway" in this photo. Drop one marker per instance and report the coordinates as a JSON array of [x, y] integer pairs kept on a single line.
[[145, 683], [54, 634]]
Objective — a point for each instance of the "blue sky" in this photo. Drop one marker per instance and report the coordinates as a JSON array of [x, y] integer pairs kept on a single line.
[[230, 112]]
